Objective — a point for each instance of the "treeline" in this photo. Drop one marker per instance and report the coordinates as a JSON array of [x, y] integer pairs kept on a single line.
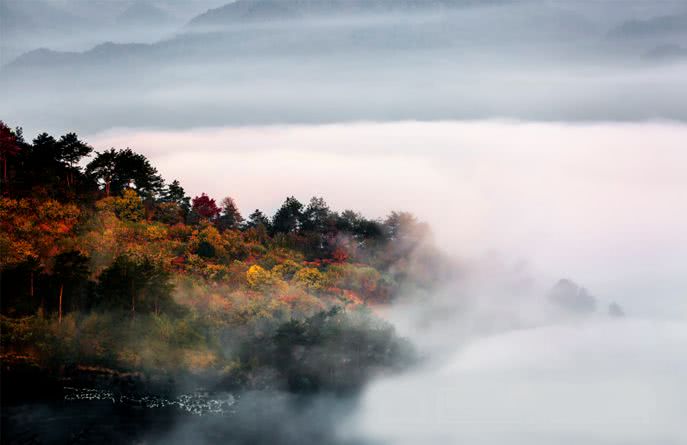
[[89, 239], [50, 202], [50, 167]]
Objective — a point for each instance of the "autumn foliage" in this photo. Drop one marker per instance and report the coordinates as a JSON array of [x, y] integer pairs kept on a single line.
[[83, 247]]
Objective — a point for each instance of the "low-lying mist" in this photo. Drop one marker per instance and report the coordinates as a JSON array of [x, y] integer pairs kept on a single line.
[[601, 204], [517, 206], [592, 381], [502, 363], [506, 364]]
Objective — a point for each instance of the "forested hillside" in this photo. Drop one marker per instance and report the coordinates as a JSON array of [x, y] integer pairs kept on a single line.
[[106, 264]]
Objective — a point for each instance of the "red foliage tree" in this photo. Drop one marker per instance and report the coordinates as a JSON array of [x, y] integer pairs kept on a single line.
[[205, 207], [340, 255]]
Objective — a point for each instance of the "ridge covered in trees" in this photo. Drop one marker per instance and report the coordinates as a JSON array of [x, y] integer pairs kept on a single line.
[[104, 263]]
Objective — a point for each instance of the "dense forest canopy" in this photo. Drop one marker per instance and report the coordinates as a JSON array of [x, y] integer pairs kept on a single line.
[[105, 263]]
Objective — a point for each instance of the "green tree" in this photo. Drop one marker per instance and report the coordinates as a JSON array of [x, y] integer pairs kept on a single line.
[[72, 150], [117, 170], [316, 217], [138, 285], [256, 219], [42, 166], [175, 193], [288, 217], [103, 168]]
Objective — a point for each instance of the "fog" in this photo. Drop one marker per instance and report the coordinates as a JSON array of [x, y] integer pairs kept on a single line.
[[572, 61], [518, 205], [507, 365], [78, 25], [593, 382], [602, 204]]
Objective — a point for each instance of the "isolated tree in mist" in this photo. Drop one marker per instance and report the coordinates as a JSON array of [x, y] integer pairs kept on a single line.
[[205, 207], [231, 217], [401, 225], [288, 217], [570, 296], [615, 310]]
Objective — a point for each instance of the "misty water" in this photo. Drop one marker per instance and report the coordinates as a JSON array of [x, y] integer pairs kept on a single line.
[[552, 384]]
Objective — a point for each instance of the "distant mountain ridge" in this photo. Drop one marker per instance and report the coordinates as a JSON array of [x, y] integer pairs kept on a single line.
[[666, 53], [46, 57], [655, 26], [142, 13], [34, 15], [259, 10]]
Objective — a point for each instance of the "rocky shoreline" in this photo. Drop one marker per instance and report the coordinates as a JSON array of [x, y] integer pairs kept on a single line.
[[24, 379]]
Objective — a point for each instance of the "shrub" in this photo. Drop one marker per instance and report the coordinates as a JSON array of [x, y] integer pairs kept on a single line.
[[260, 279], [287, 269]]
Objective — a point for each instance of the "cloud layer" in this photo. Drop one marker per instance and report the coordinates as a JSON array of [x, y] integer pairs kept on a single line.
[[598, 383], [602, 204]]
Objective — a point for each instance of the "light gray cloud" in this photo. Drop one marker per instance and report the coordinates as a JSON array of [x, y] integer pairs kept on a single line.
[[598, 382], [523, 60]]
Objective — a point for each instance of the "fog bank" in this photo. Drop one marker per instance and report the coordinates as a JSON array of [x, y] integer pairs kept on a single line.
[[600, 382], [602, 204]]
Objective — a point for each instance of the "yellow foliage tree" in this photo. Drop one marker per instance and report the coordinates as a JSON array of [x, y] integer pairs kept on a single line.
[[127, 207], [260, 279], [309, 278], [287, 269], [207, 242]]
